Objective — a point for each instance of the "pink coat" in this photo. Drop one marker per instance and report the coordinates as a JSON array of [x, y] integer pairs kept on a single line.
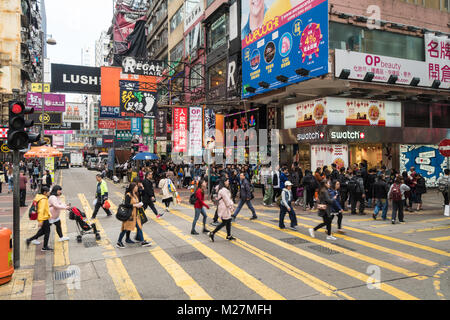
[[226, 206], [55, 206]]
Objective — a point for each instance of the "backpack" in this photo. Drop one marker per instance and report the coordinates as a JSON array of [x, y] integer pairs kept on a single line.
[[32, 213], [275, 179], [396, 192], [193, 198], [351, 185], [278, 200]]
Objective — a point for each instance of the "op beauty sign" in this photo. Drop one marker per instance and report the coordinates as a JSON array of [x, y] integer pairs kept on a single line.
[[279, 38]]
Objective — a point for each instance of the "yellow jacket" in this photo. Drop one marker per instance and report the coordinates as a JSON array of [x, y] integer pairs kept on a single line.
[[42, 207]]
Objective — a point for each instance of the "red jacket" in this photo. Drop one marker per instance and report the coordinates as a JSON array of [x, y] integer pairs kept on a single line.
[[22, 182], [200, 199]]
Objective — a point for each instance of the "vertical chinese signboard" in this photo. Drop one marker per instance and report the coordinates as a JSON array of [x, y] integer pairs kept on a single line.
[[161, 124], [437, 57], [179, 129], [195, 131]]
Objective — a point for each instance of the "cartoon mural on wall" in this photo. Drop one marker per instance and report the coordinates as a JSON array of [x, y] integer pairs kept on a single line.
[[426, 159]]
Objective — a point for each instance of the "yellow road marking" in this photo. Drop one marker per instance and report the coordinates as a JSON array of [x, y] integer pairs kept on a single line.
[[347, 252], [61, 253], [360, 220], [428, 229], [437, 283], [317, 284], [350, 272], [432, 220], [182, 278], [119, 275], [441, 238], [240, 274]]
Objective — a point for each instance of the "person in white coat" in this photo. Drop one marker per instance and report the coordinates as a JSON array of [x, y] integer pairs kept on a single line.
[[168, 195], [224, 209]]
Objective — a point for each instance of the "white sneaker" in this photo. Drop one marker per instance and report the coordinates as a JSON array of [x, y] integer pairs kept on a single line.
[[331, 238], [36, 242], [311, 232], [63, 239]]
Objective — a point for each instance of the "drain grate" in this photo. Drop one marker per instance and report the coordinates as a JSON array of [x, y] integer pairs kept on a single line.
[[294, 240], [322, 249], [345, 247], [190, 256], [89, 243], [63, 275]]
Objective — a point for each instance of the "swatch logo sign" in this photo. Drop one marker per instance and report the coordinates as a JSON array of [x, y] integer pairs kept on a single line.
[[350, 135], [310, 136]]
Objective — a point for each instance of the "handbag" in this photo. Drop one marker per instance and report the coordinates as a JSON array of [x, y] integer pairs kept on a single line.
[[322, 206], [142, 215], [123, 214]]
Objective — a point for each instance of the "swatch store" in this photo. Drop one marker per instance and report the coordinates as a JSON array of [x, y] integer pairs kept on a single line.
[[342, 131]]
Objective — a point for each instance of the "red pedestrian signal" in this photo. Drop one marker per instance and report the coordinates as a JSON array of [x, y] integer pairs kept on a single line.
[[17, 137]]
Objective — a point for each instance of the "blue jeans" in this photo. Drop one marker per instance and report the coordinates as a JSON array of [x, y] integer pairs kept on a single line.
[[199, 211], [292, 217], [381, 204], [241, 204], [139, 234]]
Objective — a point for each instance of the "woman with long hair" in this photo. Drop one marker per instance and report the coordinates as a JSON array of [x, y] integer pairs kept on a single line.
[[200, 205], [55, 204], [224, 209], [324, 206], [165, 184], [132, 202], [336, 208]]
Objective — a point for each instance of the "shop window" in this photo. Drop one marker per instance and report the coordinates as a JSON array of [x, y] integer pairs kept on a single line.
[[217, 74], [209, 2], [194, 40], [416, 115], [353, 38], [177, 52], [176, 19], [217, 33], [440, 115]]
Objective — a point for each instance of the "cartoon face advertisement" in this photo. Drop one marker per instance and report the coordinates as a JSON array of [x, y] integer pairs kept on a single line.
[[287, 38]]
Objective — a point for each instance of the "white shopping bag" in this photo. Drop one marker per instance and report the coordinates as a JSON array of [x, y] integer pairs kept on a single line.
[[447, 211], [94, 202]]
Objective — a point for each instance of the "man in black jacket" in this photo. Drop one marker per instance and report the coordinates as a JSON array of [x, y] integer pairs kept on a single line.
[[246, 197], [356, 188], [148, 194], [380, 192]]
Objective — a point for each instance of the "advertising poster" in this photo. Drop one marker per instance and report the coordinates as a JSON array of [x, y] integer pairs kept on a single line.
[[134, 102], [50, 166], [76, 79], [280, 37], [123, 135], [326, 154], [312, 113], [52, 101], [195, 131], [106, 124], [136, 126], [132, 65], [109, 112], [180, 129], [146, 126], [75, 112], [49, 118], [124, 125], [210, 128], [426, 159], [220, 134]]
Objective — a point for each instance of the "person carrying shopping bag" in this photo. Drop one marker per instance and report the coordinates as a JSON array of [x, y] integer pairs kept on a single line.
[[324, 206], [132, 202], [101, 197], [168, 190], [224, 209]]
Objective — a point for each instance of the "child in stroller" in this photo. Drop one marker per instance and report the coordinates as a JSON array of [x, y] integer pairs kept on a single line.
[[82, 226]]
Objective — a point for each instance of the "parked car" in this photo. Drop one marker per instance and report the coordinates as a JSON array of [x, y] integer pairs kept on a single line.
[[92, 162], [101, 164]]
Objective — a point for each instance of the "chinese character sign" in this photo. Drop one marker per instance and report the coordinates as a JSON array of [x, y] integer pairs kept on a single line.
[[437, 57], [195, 131], [135, 102], [109, 112], [136, 126], [180, 129], [146, 126], [161, 125]]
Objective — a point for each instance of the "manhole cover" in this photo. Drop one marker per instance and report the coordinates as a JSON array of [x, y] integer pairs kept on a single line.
[[294, 240], [89, 243], [322, 249], [345, 247], [190, 256]]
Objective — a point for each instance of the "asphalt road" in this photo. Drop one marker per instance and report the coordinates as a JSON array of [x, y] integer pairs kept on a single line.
[[373, 260]]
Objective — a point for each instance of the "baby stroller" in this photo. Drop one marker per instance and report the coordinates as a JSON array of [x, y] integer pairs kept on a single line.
[[82, 226]]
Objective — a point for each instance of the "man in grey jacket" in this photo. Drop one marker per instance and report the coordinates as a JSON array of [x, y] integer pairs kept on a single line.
[[246, 197]]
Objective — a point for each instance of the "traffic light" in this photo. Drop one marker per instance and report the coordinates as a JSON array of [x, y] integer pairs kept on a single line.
[[18, 138]]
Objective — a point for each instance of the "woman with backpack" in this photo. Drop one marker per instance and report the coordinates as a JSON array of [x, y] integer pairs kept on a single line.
[[56, 206], [43, 216], [397, 194], [199, 206], [324, 206], [421, 188], [168, 190], [225, 209]]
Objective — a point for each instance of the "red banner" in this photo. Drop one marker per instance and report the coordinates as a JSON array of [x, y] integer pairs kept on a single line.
[[106, 124], [180, 129], [123, 124]]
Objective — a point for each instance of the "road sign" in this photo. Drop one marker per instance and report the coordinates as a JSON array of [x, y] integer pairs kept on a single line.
[[37, 87], [5, 148], [444, 147]]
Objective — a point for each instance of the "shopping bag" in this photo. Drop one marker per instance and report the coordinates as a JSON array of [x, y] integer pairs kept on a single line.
[[142, 215], [447, 211], [178, 197], [106, 205]]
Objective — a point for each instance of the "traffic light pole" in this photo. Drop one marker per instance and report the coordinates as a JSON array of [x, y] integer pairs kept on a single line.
[[16, 209]]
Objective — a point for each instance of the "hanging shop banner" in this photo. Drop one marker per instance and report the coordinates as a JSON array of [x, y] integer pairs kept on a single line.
[[123, 135], [195, 131], [109, 112], [64, 126], [326, 154], [132, 65], [90, 133], [287, 40], [37, 87], [77, 79], [49, 118], [426, 159], [136, 103], [123, 124], [383, 67], [210, 128], [136, 127], [148, 127], [161, 125], [55, 132], [75, 112], [220, 137], [343, 111], [106, 124], [437, 58], [52, 101], [180, 129]]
